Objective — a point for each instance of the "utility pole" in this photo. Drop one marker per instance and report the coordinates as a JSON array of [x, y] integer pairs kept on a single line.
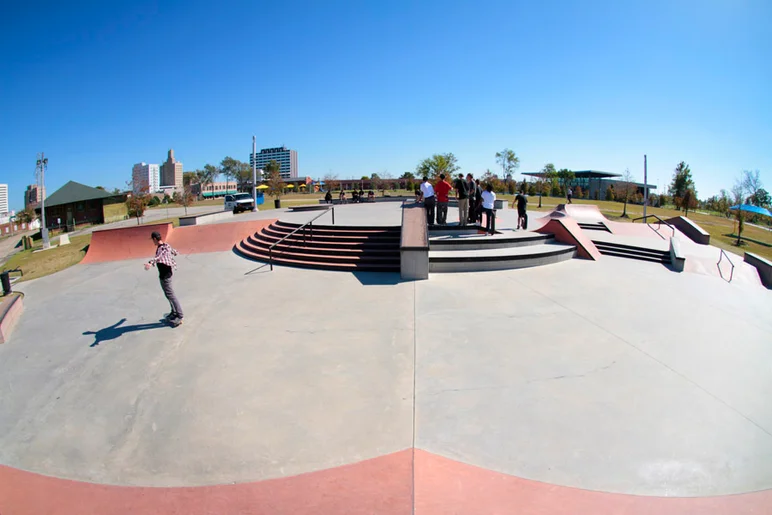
[[40, 171], [645, 187], [254, 171]]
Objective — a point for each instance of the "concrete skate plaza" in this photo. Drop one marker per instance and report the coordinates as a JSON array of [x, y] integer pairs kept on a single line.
[[579, 387]]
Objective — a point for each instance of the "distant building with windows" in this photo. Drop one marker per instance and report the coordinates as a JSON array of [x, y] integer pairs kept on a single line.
[[595, 183], [3, 199], [171, 174], [146, 178], [214, 189], [288, 159], [33, 195]]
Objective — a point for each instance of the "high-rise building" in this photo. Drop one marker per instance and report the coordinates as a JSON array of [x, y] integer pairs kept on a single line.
[[288, 159], [3, 199], [33, 195], [171, 173], [145, 177]]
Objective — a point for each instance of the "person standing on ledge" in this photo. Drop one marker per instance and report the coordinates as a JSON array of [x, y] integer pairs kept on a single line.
[[488, 203], [441, 189], [462, 195], [427, 195], [164, 261]]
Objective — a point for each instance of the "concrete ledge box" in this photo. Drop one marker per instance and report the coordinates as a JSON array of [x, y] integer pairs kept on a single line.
[[763, 266], [10, 312], [206, 218]]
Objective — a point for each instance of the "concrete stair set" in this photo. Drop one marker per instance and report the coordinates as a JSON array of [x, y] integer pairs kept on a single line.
[[326, 247], [468, 251], [633, 252]]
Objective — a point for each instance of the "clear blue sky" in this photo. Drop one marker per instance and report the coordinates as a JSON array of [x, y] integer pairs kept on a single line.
[[363, 87]]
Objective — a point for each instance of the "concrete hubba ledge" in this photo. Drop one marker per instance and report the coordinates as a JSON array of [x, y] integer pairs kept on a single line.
[[695, 233], [10, 313], [206, 218], [64, 239], [677, 259], [566, 230], [763, 266], [414, 244]]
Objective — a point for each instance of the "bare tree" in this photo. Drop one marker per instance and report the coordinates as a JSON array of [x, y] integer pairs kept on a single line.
[[626, 189]]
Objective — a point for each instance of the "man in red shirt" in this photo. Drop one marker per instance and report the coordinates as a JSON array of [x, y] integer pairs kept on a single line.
[[441, 189]]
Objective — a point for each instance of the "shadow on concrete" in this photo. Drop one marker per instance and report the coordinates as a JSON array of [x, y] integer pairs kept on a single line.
[[259, 270], [377, 278], [117, 330]]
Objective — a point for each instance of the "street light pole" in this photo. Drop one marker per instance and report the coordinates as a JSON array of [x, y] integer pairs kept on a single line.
[[42, 162], [254, 171], [645, 187]]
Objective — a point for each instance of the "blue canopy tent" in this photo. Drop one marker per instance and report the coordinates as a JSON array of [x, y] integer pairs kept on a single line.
[[751, 209]]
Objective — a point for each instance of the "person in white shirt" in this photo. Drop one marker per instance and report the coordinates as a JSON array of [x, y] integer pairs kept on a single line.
[[427, 195], [488, 202]]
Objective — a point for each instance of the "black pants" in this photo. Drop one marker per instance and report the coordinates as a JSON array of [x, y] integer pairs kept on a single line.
[[490, 220], [429, 206], [166, 285], [442, 213]]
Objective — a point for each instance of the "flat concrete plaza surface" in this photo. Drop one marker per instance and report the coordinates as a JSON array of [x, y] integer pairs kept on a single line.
[[612, 386]]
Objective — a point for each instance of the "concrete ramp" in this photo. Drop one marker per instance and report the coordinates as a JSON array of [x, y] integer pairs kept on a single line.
[[124, 243], [566, 230], [135, 243], [582, 212]]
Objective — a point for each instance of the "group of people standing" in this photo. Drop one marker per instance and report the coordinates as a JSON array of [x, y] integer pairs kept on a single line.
[[474, 201]]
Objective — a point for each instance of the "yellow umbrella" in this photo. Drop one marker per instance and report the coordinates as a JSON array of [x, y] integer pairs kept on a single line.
[[262, 187], [290, 186], [302, 185]]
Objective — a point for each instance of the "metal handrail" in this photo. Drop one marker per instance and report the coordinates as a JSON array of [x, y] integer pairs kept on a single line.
[[720, 257], [660, 220], [308, 223]]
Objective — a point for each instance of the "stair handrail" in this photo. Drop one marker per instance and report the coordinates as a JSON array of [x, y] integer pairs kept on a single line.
[[718, 263], [660, 220], [309, 224]]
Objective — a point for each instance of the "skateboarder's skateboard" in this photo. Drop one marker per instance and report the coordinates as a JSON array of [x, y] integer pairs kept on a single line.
[[172, 323]]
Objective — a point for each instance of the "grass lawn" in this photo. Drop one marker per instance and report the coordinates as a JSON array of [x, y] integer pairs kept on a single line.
[[39, 264]]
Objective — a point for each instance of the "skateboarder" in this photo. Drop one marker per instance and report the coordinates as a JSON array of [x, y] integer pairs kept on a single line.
[[164, 261]]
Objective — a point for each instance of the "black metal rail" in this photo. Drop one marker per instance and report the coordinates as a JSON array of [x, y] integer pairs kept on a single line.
[[660, 220], [308, 224], [718, 265]]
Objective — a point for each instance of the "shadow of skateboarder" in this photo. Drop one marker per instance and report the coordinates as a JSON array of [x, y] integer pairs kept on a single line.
[[117, 330]]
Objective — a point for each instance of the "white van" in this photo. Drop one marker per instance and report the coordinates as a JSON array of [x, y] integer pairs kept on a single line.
[[239, 202]]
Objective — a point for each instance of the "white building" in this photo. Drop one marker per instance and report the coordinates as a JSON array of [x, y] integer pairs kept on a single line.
[[4, 199], [145, 177], [288, 159]]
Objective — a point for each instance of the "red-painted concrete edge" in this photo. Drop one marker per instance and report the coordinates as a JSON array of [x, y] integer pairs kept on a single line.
[[378, 485]]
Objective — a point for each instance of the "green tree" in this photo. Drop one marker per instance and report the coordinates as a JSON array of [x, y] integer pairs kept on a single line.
[[433, 166], [610, 193], [738, 192], [207, 176], [136, 203], [566, 177], [547, 177], [189, 178], [407, 175], [508, 162], [760, 198], [240, 172], [689, 201], [682, 181], [275, 183]]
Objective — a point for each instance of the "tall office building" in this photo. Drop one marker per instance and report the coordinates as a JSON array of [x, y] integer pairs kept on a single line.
[[171, 173], [33, 195], [3, 199], [145, 177], [288, 159]]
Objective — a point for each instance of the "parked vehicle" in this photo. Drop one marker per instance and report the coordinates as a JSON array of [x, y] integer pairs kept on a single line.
[[239, 202]]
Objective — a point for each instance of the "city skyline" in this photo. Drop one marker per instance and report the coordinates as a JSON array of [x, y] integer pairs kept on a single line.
[[584, 86]]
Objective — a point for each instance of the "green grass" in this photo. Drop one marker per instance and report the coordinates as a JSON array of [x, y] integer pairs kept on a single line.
[[39, 264]]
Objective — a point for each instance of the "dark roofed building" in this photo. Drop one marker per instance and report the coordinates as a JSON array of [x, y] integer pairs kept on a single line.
[[595, 182], [76, 204]]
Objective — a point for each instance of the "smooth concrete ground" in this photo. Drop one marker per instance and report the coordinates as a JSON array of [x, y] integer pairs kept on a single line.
[[618, 376]]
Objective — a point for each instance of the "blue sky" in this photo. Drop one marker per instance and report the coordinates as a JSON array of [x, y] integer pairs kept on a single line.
[[363, 87]]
